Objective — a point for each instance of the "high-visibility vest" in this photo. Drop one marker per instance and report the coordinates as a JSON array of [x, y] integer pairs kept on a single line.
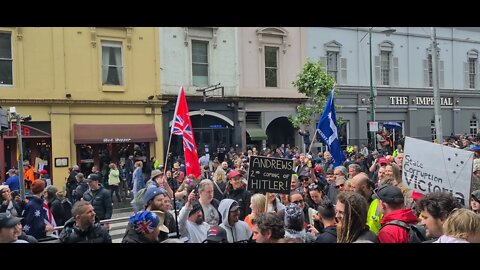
[[28, 175], [374, 216]]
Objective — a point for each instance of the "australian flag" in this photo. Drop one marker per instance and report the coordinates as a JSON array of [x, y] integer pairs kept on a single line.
[[183, 126], [328, 130]]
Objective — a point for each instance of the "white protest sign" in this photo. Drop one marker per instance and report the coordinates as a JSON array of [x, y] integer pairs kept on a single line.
[[373, 126], [430, 167]]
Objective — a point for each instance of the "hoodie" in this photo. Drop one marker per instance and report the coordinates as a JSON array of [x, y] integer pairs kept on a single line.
[[240, 230], [450, 239], [390, 233]]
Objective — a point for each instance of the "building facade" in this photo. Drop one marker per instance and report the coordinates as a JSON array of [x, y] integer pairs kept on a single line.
[[93, 94], [246, 75], [402, 78]]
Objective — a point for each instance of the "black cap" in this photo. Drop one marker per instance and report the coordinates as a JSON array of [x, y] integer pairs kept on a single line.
[[8, 221], [390, 194], [476, 195], [92, 177], [216, 234]]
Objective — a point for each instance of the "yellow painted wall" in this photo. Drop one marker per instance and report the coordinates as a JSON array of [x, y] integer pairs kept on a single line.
[[50, 62]]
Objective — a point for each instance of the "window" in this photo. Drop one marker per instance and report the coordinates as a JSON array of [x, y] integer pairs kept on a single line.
[[430, 71], [332, 64], [6, 61], [200, 62], [433, 131], [473, 127], [472, 71], [271, 66], [385, 67], [112, 63]]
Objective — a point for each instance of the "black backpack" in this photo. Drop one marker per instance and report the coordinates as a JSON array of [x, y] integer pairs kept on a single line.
[[416, 233]]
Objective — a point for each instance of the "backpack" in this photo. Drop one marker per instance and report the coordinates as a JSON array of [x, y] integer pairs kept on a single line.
[[416, 233], [137, 202]]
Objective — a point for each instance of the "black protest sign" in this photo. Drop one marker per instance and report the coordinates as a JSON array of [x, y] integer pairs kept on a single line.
[[269, 174]]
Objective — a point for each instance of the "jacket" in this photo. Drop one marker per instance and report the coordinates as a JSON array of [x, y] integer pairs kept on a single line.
[[94, 234], [33, 218], [374, 216], [450, 239], [196, 233], [57, 211], [101, 201], [81, 189], [366, 236], [329, 235], [240, 230], [390, 233]]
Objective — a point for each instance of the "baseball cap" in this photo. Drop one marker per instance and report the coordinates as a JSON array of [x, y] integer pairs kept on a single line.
[[233, 173], [12, 171], [476, 195], [92, 177], [382, 160], [390, 194], [216, 234], [8, 221], [416, 195]]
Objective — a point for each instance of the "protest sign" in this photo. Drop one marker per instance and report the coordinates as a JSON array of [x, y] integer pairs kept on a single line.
[[269, 174], [430, 167]]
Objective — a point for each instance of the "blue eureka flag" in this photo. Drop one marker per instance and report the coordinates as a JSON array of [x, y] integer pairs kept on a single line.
[[328, 130]]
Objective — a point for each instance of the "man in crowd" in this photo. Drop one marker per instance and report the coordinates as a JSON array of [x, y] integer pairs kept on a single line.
[[238, 193], [268, 228], [191, 223], [8, 225], [13, 182], [237, 230], [209, 204], [83, 227], [34, 214], [156, 199], [145, 227], [391, 203], [100, 198], [434, 210]]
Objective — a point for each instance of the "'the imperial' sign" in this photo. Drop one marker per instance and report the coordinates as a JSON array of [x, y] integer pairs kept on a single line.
[[420, 101]]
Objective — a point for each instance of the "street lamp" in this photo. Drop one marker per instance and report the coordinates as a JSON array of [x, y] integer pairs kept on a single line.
[[19, 118], [388, 31]]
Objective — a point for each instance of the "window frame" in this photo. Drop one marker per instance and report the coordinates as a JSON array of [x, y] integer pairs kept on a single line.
[[473, 126], [113, 43], [386, 67], [472, 72], [277, 68], [192, 63], [11, 59], [330, 70]]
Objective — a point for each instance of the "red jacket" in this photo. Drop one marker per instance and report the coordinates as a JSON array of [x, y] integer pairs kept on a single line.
[[393, 233]]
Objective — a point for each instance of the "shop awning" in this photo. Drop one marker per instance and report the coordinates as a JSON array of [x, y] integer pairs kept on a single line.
[[257, 134], [114, 133]]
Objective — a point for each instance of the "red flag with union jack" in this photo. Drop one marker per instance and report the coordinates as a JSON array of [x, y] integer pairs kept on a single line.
[[183, 126]]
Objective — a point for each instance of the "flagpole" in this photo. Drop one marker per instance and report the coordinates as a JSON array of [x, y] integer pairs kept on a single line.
[[166, 162], [313, 141]]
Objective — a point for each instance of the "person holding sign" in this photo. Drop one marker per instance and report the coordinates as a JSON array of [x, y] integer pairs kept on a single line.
[[237, 192]]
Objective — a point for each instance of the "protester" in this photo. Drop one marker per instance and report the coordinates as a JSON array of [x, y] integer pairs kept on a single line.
[[461, 226], [191, 222], [83, 227], [237, 192], [257, 205], [268, 228], [13, 182], [237, 230], [8, 232], [208, 202], [14, 206], [434, 210], [216, 234], [100, 198], [391, 203], [34, 214], [145, 227], [326, 214], [475, 201], [351, 215]]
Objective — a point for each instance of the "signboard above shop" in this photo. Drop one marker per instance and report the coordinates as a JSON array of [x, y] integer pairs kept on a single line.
[[420, 101]]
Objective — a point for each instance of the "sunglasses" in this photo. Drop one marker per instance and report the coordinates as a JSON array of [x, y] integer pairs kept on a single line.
[[313, 187], [339, 186], [298, 201]]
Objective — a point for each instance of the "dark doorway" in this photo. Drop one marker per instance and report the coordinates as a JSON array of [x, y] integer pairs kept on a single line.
[[212, 135], [280, 131]]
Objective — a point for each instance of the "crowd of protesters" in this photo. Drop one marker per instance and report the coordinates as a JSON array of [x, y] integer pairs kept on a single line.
[[363, 200]]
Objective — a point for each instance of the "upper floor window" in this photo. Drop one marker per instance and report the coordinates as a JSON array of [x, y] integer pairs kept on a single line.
[[112, 63], [332, 64], [385, 67], [471, 70], [428, 70], [271, 66], [6, 61], [200, 62]]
